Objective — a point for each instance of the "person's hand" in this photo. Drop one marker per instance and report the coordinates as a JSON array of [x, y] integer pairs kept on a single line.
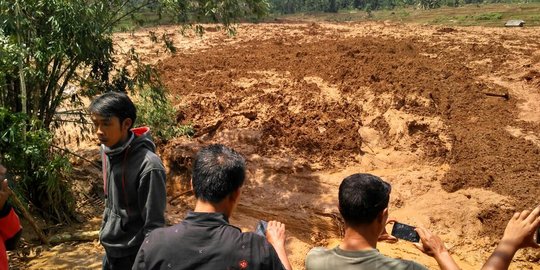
[[430, 243], [520, 230], [4, 189], [275, 233], [385, 236], [519, 233]]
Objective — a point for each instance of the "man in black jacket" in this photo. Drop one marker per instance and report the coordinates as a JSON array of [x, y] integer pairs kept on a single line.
[[133, 180], [205, 239]]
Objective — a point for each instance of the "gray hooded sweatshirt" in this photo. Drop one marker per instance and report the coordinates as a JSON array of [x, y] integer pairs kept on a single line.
[[134, 185]]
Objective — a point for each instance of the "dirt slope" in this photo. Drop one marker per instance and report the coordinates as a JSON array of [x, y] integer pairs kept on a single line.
[[311, 103]]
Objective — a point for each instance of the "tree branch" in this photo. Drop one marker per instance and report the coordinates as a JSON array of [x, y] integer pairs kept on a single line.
[[72, 67], [108, 24], [77, 155]]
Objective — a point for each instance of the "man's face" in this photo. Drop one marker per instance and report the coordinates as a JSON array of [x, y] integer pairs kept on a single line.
[[109, 130]]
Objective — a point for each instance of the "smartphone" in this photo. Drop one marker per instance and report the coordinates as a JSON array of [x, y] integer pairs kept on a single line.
[[405, 232], [538, 235], [261, 228]]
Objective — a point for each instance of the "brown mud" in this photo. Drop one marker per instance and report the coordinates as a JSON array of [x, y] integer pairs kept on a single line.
[[315, 101], [310, 103]]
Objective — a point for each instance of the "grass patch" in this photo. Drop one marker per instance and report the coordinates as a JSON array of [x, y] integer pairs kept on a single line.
[[493, 15]]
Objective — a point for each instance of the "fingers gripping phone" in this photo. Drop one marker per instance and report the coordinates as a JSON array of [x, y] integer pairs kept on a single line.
[[405, 232]]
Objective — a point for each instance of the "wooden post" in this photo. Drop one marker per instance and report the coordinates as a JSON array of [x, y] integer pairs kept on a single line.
[[17, 203]]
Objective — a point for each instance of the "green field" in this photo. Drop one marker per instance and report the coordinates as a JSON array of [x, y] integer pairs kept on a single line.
[[493, 15], [468, 15]]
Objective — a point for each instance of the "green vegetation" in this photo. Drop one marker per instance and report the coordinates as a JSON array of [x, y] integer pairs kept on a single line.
[[154, 109], [50, 47], [39, 170], [310, 6], [466, 15]]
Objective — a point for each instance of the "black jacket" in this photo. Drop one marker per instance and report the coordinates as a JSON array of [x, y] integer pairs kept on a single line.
[[134, 183], [205, 241]]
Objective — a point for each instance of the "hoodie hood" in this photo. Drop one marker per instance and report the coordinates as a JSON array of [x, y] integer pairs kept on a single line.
[[140, 137]]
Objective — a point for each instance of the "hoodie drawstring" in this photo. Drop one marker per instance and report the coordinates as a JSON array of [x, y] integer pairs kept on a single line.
[[104, 168], [124, 179]]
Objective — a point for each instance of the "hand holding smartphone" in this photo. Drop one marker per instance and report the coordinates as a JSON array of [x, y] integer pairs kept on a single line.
[[405, 232]]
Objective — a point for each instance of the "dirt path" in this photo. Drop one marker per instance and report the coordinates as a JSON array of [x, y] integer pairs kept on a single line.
[[310, 103]]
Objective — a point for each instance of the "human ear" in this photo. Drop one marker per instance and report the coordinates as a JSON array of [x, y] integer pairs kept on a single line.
[[127, 124], [383, 216]]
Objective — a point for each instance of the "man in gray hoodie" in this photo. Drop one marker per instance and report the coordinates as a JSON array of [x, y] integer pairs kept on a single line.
[[133, 180]]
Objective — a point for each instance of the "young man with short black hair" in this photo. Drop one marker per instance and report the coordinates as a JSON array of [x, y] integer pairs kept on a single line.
[[133, 180], [205, 239], [363, 203]]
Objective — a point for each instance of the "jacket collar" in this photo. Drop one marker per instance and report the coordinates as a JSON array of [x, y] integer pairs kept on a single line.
[[208, 219], [120, 149]]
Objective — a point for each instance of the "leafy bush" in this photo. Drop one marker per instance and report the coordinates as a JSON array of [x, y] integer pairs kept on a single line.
[[40, 173], [492, 16], [156, 111]]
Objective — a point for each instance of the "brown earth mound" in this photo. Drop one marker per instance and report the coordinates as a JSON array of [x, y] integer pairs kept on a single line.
[[449, 116], [307, 101]]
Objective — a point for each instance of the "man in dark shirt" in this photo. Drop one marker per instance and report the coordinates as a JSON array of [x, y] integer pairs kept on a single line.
[[205, 239]]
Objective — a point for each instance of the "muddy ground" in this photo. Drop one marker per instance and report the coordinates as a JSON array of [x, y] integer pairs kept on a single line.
[[309, 103]]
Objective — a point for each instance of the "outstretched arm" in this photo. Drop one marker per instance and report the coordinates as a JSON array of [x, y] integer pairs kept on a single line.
[[519, 233], [275, 233], [433, 246]]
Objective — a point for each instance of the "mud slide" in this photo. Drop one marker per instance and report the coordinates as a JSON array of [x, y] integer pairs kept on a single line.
[[311, 103]]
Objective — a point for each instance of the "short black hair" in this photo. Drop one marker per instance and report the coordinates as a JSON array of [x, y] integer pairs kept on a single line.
[[362, 197], [114, 104], [217, 172]]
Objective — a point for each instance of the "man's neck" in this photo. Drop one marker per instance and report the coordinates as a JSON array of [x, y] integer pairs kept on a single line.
[[359, 238], [208, 207], [123, 141]]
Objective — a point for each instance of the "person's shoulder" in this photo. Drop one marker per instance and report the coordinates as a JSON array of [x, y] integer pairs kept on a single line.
[[249, 237], [161, 238], [412, 265], [153, 159], [402, 264], [149, 161], [316, 256], [257, 242], [318, 251]]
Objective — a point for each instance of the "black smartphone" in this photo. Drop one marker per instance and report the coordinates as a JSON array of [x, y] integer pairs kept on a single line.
[[538, 235], [405, 232], [261, 228]]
